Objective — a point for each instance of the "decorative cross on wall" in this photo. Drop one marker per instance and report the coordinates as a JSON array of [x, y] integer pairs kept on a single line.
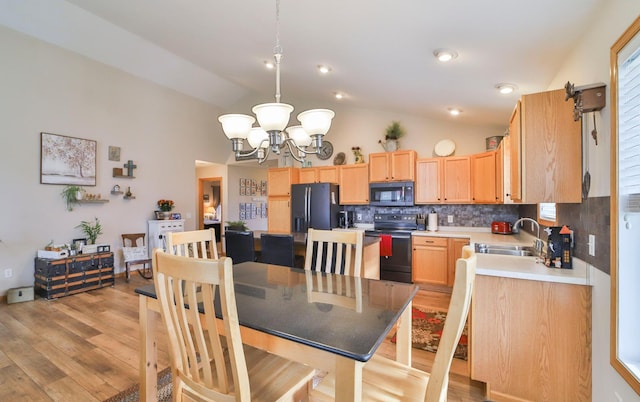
[[130, 166]]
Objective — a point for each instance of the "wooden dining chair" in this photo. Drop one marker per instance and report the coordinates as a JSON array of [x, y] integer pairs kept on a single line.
[[334, 251], [196, 243], [384, 379], [207, 366], [336, 290], [135, 252]]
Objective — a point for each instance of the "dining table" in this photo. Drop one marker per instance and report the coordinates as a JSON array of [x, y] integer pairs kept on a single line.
[[276, 315]]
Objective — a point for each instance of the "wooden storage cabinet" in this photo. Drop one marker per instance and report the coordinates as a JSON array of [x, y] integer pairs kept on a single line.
[[531, 340], [392, 166], [67, 276], [430, 258], [385, 295], [485, 180], [428, 181], [434, 259], [546, 150], [321, 174], [354, 184], [279, 180], [457, 179]]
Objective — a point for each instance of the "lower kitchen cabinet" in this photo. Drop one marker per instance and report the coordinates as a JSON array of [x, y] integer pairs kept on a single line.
[[434, 259], [531, 340], [387, 296]]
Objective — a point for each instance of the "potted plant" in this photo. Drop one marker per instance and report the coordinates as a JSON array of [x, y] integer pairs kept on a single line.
[[91, 229], [392, 133], [165, 207], [240, 226], [72, 195]]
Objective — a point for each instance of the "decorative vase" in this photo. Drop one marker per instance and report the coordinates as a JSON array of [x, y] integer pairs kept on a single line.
[[165, 215], [391, 145]]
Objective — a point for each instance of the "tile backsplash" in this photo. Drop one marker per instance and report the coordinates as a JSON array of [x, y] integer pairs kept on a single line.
[[592, 216]]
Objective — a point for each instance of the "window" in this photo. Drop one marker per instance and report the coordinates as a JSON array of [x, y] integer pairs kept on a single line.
[[547, 214], [625, 205]]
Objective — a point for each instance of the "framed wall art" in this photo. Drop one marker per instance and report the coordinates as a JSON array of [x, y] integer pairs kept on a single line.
[[67, 160]]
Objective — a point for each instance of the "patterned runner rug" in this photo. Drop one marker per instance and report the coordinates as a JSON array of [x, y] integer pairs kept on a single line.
[[427, 328], [132, 394]]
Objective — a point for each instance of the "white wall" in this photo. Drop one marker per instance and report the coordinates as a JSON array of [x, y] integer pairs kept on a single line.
[[589, 63], [45, 88]]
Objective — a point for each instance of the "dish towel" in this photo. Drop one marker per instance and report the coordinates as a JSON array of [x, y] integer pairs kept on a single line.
[[385, 245]]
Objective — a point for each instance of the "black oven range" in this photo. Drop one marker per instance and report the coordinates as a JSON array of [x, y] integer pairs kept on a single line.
[[394, 231]]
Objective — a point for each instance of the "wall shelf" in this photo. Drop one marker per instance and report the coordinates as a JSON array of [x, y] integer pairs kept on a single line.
[[132, 197], [123, 176], [117, 192], [100, 201]]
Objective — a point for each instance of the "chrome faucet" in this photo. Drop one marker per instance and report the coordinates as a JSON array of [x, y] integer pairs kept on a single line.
[[538, 244]]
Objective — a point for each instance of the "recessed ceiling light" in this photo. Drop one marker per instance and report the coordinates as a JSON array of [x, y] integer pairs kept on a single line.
[[445, 55], [339, 95], [454, 111], [269, 65], [505, 88], [324, 69]]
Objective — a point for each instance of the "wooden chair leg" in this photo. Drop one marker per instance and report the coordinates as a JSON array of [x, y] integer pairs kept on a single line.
[[126, 268], [146, 272]]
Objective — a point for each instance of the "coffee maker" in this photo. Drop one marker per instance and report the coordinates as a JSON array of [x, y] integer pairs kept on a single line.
[[345, 219]]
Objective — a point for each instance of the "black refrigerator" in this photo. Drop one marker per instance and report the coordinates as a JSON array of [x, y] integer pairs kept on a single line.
[[314, 206]]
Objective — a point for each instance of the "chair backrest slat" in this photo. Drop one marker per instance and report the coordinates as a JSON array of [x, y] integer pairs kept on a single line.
[[195, 244], [341, 251]]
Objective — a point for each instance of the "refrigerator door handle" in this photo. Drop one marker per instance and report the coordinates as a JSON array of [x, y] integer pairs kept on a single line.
[[306, 207], [309, 210]]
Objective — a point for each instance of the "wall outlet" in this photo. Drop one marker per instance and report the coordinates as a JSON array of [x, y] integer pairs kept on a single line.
[[8, 273], [359, 217], [592, 245], [449, 218]]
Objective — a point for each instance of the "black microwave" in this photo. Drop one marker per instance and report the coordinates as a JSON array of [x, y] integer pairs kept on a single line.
[[393, 194]]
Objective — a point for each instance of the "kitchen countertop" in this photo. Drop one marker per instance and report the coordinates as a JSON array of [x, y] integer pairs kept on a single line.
[[510, 266]]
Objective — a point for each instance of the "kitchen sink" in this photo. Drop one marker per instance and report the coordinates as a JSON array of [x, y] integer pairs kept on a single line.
[[505, 249]]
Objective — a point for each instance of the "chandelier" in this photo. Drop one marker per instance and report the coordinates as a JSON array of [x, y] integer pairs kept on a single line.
[[271, 135]]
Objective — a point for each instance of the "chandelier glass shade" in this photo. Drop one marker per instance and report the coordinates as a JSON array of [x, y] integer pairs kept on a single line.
[[273, 118]]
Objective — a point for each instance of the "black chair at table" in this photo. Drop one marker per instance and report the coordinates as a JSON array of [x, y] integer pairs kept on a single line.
[[239, 246], [277, 249]]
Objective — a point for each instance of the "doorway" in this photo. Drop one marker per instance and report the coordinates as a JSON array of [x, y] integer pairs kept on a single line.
[[210, 205]]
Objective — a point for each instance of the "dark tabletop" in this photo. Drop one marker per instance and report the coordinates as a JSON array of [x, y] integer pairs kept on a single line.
[[284, 311]]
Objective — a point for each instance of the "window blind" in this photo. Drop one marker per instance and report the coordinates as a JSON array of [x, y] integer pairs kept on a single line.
[[629, 132]]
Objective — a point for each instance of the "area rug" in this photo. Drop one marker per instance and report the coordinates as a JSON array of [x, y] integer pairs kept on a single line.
[[426, 331], [132, 394]]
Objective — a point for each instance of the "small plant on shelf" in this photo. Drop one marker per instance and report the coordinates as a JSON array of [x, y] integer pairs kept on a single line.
[[91, 229], [72, 195], [394, 131]]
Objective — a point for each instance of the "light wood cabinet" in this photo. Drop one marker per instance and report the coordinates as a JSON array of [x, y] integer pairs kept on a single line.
[[392, 166], [387, 296], [428, 181], [485, 180], [320, 174], [279, 214], [531, 340], [515, 161], [500, 172], [455, 252], [456, 179], [429, 260], [434, 259], [354, 184], [279, 180], [547, 158]]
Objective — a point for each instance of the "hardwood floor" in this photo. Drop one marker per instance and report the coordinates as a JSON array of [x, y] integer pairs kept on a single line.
[[85, 348]]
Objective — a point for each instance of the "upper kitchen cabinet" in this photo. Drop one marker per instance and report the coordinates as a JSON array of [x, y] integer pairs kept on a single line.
[[456, 180], [484, 168], [279, 180], [546, 150], [320, 174], [354, 184], [428, 181], [392, 166]]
